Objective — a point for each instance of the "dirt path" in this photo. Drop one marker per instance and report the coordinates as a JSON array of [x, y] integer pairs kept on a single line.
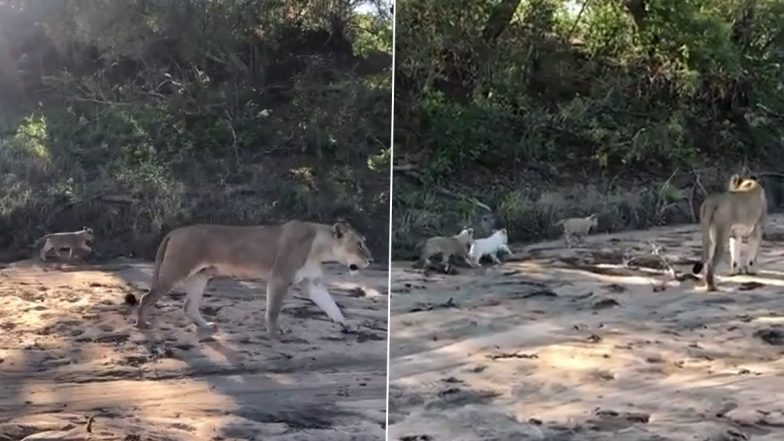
[[69, 351], [573, 345]]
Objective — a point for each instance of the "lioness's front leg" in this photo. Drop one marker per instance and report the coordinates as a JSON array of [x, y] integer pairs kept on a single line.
[[194, 289], [320, 296], [495, 259]]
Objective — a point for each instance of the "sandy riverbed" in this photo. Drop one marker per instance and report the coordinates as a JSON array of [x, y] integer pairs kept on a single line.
[[560, 344], [69, 352]]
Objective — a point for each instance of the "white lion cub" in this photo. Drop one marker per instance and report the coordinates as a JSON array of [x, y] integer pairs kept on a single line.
[[490, 246]]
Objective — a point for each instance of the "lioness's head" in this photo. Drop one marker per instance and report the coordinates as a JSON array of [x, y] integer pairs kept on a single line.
[[87, 233], [742, 183], [502, 234], [350, 248], [593, 220]]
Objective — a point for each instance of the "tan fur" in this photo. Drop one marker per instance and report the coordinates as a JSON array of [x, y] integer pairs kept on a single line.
[[448, 246], [71, 240], [729, 217], [576, 227], [283, 255]]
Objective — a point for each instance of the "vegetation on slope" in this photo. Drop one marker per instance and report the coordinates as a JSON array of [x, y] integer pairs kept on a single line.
[[543, 109], [137, 116]]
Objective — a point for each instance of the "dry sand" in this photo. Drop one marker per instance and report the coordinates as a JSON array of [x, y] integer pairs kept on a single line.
[[560, 344], [69, 352]]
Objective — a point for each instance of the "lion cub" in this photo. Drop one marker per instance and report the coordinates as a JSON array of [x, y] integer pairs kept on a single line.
[[70, 240], [577, 227], [738, 213], [448, 246], [490, 246]]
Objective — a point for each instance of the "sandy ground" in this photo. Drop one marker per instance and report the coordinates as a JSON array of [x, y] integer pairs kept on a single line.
[[560, 344], [69, 353]]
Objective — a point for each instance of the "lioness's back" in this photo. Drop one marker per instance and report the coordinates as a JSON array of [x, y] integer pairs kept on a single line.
[[230, 246]]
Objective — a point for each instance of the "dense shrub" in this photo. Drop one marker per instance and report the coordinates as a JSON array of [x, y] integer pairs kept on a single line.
[[550, 108], [135, 117]]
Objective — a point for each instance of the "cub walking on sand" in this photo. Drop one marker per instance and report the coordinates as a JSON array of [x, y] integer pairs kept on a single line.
[[577, 227], [490, 246], [739, 212], [448, 246], [71, 240]]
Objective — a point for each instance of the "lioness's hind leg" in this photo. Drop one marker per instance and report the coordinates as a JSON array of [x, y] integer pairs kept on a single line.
[[194, 289], [276, 291], [735, 246], [754, 244], [320, 296], [495, 258], [148, 301]]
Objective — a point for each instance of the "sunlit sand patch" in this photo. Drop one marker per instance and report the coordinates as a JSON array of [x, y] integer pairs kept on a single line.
[[666, 358], [74, 347]]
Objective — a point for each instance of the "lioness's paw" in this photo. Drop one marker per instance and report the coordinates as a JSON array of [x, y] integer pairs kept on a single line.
[[140, 324], [275, 334]]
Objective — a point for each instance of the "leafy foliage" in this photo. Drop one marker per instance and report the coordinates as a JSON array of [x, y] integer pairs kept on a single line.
[[606, 93], [138, 116]]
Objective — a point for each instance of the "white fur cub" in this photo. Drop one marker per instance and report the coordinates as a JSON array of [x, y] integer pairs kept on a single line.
[[490, 246]]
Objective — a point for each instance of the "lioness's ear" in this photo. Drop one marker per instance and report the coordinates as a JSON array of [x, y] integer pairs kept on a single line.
[[503, 230], [735, 179], [338, 230]]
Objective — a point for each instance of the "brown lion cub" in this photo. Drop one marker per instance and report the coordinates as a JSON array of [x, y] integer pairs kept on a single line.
[[282, 255], [71, 240], [739, 213], [457, 245]]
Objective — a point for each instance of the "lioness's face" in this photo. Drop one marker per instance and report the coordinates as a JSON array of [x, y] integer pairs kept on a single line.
[[502, 234], [351, 249], [87, 234]]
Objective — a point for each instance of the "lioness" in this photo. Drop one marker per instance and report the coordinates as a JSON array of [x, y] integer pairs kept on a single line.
[[283, 255], [70, 240], [448, 246], [740, 212]]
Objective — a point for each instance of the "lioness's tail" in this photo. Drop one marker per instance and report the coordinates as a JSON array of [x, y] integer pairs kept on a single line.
[[130, 298], [560, 222], [712, 248]]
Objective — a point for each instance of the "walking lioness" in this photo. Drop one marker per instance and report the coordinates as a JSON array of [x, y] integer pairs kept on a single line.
[[740, 212], [283, 255]]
